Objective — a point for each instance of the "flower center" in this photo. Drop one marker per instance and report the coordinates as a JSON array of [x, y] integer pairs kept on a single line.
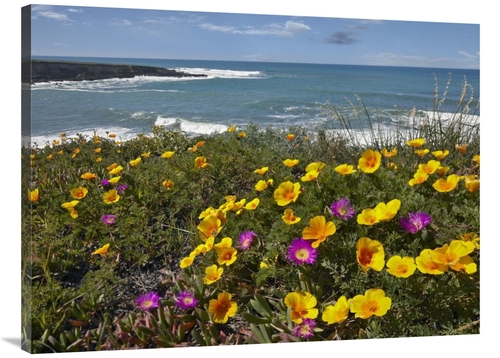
[[373, 306], [365, 256], [370, 162], [302, 254], [289, 195], [402, 268]]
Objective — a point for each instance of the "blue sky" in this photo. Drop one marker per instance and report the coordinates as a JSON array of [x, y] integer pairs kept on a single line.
[[115, 32]]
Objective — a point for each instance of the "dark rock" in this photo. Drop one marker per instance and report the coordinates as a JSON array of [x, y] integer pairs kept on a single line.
[[45, 71]]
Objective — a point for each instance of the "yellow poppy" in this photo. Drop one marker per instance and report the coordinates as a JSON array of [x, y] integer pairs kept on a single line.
[[286, 193], [390, 154], [135, 162], [291, 162], [102, 250], [168, 184], [261, 171], [200, 162], [318, 230], [426, 265], [440, 155], [252, 205], [338, 312], [401, 267], [309, 176], [302, 305], [315, 166], [212, 274], [472, 183], [369, 161], [416, 143], [421, 152], [88, 176], [444, 186], [418, 178], [368, 217], [461, 148], [209, 226], [222, 308], [167, 155], [430, 167], [289, 217], [442, 171], [116, 170], [111, 196], [261, 185], [345, 169], [33, 195], [370, 254], [79, 193], [373, 302]]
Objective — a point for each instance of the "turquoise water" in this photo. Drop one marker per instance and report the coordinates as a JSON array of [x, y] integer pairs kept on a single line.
[[236, 93]]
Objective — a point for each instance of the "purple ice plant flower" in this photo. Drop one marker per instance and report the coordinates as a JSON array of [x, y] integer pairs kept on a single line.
[[305, 329], [105, 182], [121, 188], [342, 209], [185, 300], [415, 222], [109, 219], [246, 238], [301, 252], [148, 301]]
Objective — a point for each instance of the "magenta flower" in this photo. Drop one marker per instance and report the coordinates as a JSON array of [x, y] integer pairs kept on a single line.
[[305, 329], [246, 239], [148, 301], [121, 188], [415, 222], [109, 219], [185, 300], [105, 182], [300, 252], [342, 209]]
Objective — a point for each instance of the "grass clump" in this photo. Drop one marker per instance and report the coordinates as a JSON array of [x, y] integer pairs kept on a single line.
[[255, 235]]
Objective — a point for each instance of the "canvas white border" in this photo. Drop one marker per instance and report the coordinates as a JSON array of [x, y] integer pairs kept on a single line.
[[479, 12]]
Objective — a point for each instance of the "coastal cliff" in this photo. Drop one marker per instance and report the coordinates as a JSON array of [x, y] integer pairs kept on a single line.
[[45, 71]]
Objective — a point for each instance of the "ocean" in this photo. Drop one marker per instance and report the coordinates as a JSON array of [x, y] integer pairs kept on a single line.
[[239, 93]]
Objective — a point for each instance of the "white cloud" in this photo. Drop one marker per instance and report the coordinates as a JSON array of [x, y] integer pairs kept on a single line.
[[74, 10], [468, 55], [43, 11], [296, 27], [393, 59], [211, 27], [121, 22], [290, 28], [53, 16]]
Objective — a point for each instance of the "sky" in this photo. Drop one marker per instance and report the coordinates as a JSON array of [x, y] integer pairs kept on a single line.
[[164, 34]]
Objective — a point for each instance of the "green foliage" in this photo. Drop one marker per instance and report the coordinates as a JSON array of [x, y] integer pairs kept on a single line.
[[76, 300]]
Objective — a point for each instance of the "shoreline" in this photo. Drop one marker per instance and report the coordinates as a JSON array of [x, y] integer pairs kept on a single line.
[[39, 71]]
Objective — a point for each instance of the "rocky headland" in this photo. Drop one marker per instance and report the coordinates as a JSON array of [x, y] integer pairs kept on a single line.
[[46, 71]]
